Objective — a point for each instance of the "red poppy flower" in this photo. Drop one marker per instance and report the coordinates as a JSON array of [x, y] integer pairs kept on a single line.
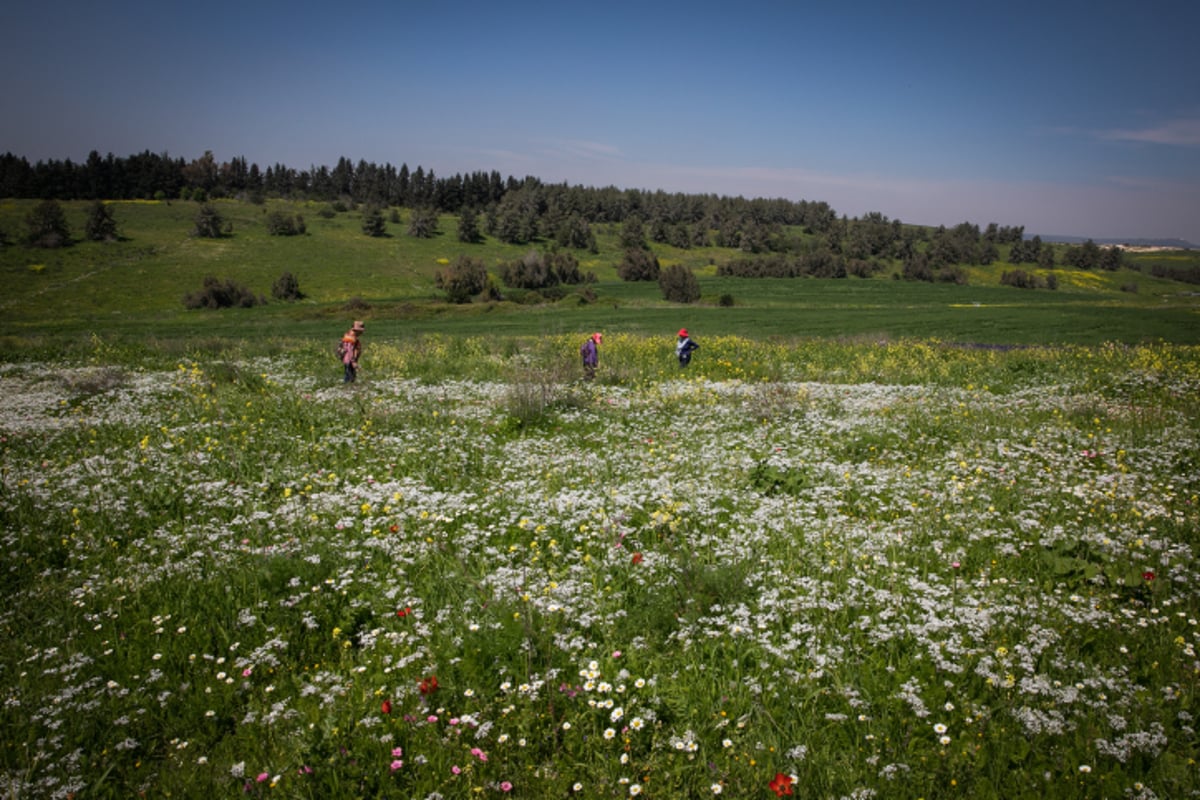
[[404, 612], [428, 685], [386, 707], [1148, 575], [394, 529], [781, 785], [637, 558]]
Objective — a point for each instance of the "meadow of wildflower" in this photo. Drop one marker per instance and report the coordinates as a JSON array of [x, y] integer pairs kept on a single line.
[[820, 569]]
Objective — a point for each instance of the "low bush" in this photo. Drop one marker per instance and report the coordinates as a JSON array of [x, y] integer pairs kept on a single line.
[[280, 224], [286, 288], [217, 293]]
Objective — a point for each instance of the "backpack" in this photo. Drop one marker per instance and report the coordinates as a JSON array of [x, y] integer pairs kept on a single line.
[[340, 350]]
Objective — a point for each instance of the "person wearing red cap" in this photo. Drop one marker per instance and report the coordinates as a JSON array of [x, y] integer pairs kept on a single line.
[[684, 347], [590, 353]]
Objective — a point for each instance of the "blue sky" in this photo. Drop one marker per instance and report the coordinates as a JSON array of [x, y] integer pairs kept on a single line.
[[1071, 118]]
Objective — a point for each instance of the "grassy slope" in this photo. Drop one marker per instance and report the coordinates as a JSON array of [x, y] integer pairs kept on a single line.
[[133, 288]]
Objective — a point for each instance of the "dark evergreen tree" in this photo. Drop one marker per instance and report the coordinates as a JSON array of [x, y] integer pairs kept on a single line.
[[633, 234], [101, 225], [468, 226], [373, 223], [1046, 260]]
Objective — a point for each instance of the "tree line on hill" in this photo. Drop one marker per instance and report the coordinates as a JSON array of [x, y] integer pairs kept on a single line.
[[773, 237]]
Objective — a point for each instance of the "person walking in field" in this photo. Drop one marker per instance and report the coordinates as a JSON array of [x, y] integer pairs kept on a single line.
[[684, 348], [590, 353], [350, 350]]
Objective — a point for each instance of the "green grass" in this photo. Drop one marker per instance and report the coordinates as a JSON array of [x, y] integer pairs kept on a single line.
[[905, 570], [131, 291]]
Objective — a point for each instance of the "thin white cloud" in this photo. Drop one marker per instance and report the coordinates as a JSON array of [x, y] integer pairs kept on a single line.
[[577, 148], [1179, 132]]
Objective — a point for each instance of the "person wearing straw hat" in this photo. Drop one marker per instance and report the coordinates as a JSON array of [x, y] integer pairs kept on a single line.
[[351, 350], [684, 347], [590, 353]]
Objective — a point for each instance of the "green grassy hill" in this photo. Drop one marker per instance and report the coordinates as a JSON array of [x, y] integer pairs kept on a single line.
[[132, 289]]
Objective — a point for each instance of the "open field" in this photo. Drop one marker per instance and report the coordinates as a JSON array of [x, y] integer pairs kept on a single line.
[[839, 569], [131, 291], [882, 539]]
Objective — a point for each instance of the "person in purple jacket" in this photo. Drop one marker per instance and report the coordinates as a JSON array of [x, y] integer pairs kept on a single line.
[[590, 353]]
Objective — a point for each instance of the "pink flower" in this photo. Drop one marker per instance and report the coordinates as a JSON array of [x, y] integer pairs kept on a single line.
[[397, 764], [262, 776], [505, 786], [456, 770], [247, 672], [397, 752], [482, 756]]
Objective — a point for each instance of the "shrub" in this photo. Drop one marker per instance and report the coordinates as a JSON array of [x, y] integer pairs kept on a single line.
[[679, 285], [955, 275], [463, 279], [209, 223], [222, 294], [1027, 280], [286, 288], [280, 224], [536, 270], [47, 225], [638, 265], [423, 224], [725, 301]]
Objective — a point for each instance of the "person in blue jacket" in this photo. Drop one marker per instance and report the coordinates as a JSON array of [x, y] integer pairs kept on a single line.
[[684, 347]]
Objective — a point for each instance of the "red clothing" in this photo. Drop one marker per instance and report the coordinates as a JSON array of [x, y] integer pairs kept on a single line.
[[352, 348]]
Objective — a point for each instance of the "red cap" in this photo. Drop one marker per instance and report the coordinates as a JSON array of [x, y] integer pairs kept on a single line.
[[683, 332]]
